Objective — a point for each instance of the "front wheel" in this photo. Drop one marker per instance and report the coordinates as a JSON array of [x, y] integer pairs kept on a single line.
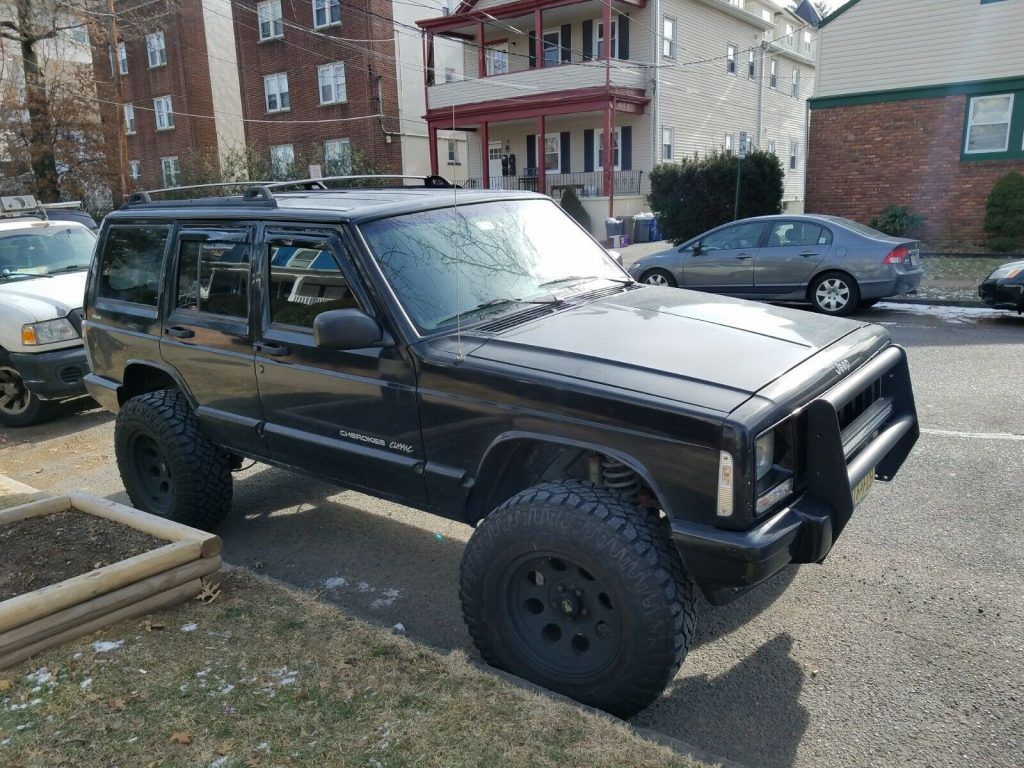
[[544, 599], [835, 293], [658, 277], [19, 405]]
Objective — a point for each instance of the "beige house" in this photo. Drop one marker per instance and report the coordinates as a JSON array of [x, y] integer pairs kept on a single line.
[[547, 94]]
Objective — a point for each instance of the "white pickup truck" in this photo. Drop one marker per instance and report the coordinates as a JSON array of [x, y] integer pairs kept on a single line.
[[43, 268]]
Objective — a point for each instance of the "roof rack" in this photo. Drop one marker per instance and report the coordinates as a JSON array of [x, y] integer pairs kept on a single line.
[[262, 192], [16, 206]]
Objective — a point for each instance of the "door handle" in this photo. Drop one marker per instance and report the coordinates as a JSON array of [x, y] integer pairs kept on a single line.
[[179, 332], [273, 350], [809, 253], [743, 257]]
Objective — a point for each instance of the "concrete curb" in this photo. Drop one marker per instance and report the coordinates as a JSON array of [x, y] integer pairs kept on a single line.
[[937, 302]]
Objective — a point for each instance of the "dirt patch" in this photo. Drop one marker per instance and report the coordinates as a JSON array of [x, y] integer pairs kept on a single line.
[[47, 550]]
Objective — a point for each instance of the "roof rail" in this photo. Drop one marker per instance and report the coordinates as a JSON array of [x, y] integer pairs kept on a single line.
[[69, 205]]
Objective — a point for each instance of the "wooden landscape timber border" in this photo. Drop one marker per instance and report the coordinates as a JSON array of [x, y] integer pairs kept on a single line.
[[160, 578]]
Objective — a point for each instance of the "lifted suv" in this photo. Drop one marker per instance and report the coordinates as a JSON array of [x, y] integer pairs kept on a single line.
[[479, 356]]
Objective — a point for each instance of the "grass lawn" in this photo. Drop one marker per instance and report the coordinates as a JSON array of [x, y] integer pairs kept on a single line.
[[266, 676]]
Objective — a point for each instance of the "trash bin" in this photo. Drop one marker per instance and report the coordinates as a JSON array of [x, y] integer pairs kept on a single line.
[[642, 228], [626, 230], [612, 227]]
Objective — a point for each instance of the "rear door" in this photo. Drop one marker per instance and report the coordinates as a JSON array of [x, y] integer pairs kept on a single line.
[[725, 260], [349, 415], [206, 334], [789, 256]]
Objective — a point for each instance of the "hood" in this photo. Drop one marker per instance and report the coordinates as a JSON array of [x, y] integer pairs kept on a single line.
[[45, 298], [695, 348]]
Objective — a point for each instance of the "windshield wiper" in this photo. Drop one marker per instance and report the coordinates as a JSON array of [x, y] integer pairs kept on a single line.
[[15, 273], [578, 278], [69, 268]]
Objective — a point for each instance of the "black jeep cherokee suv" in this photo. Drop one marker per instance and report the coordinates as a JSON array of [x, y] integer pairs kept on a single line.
[[479, 356]]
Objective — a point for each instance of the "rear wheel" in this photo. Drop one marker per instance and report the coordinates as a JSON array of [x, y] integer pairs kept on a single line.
[[835, 293], [168, 465], [20, 406], [544, 600], [658, 277]]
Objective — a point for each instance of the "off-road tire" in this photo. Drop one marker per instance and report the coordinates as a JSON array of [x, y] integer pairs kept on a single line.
[[624, 549], [29, 408], [849, 290], [198, 472], [662, 277]]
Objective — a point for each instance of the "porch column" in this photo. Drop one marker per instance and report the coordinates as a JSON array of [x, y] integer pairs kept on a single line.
[[607, 153], [606, 20], [432, 140], [485, 155], [481, 64], [541, 169], [538, 37], [428, 61]]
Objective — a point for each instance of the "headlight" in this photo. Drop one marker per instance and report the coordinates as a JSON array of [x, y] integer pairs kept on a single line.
[[764, 454], [48, 332], [1005, 272]]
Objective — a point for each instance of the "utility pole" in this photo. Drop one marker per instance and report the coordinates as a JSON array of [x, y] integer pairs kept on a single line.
[[115, 73], [741, 155]]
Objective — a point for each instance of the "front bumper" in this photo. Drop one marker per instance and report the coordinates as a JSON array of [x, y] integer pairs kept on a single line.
[[1002, 295], [726, 564], [53, 375]]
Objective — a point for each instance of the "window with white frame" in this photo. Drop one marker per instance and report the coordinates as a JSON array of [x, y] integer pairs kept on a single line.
[[794, 150], [599, 150], [988, 124], [773, 77], [453, 152], [164, 111], [730, 59], [766, 15], [281, 158], [751, 64], [496, 58], [332, 83], [169, 171], [789, 35], [122, 58], [326, 13], [338, 157], [552, 153], [795, 83], [807, 41], [599, 39], [270, 19], [729, 143], [156, 51], [667, 143], [771, 146], [129, 118], [275, 92], [134, 170], [668, 37]]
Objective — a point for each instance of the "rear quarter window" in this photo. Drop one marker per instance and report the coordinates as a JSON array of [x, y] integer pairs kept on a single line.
[[130, 263]]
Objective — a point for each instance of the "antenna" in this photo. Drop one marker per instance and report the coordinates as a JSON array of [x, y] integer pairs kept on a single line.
[[460, 356]]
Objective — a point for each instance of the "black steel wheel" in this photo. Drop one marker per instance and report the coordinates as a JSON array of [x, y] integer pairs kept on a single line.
[[168, 465], [543, 598]]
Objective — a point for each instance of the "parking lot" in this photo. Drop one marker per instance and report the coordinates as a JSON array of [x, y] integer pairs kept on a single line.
[[905, 648]]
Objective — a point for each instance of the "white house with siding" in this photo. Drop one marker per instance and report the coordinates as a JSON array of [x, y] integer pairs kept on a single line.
[[545, 100]]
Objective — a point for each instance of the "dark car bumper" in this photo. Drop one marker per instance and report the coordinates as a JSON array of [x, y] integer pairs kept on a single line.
[[53, 375], [726, 564], [1002, 295]]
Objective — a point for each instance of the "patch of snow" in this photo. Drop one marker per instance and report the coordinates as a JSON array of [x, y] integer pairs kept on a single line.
[[335, 582], [220, 761], [20, 727], [388, 596], [85, 683], [364, 587], [183, 687], [285, 676], [5, 742], [105, 646], [190, 627], [263, 747], [40, 677], [944, 313], [202, 673], [226, 689]]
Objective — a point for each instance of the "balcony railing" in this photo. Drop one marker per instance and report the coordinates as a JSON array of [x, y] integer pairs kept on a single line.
[[585, 183]]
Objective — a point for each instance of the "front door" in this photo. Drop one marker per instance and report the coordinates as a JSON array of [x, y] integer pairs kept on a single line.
[[206, 334], [724, 262], [349, 415], [494, 164], [789, 256]]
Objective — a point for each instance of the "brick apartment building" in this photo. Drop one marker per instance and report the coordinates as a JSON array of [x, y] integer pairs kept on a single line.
[[210, 87], [920, 104]]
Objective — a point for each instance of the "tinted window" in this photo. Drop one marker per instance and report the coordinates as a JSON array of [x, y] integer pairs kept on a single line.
[[740, 236], [787, 233], [130, 264], [213, 276], [305, 280]]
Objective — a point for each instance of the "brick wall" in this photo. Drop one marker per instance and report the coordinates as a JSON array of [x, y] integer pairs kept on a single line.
[[299, 54], [866, 157]]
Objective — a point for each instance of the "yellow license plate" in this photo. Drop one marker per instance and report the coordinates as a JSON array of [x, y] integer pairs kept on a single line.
[[860, 490]]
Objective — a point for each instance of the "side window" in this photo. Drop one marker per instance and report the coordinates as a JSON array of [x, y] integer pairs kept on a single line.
[[130, 264], [798, 233], [740, 236], [305, 280], [213, 276]]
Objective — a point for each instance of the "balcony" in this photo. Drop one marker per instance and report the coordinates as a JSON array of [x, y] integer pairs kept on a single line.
[[584, 184]]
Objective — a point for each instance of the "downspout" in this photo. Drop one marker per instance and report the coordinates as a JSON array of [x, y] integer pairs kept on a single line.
[[656, 109], [760, 97], [388, 135]]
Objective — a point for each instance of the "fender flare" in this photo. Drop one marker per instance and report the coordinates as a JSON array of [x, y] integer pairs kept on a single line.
[[164, 368]]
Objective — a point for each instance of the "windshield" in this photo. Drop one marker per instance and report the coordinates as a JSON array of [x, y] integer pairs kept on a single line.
[[40, 251], [484, 258], [856, 226]]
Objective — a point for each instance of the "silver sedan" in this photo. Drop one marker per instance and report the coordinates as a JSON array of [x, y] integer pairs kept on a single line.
[[836, 264]]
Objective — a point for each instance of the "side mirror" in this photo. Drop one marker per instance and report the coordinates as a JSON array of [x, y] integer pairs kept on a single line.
[[348, 329], [617, 256]]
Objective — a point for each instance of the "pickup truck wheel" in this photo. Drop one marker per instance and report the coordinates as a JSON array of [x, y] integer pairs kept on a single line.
[[571, 586], [20, 406], [168, 465]]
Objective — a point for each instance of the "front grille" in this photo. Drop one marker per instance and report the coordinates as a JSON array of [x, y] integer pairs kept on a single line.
[[75, 318], [70, 374], [863, 400]]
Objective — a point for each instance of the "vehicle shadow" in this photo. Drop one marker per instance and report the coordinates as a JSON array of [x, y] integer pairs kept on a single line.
[[751, 713], [717, 622]]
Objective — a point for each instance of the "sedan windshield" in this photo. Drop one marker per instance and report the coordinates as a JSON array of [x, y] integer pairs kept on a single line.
[[40, 251], [484, 258]]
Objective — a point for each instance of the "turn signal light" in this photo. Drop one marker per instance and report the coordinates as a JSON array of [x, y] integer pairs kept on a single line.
[[897, 255], [28, 336]]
